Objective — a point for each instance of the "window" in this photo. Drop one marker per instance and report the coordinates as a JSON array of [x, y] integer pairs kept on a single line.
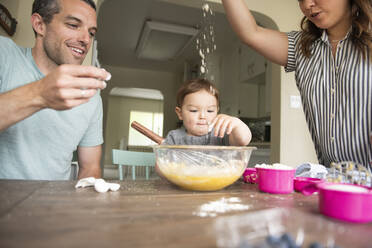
[[151, 120]]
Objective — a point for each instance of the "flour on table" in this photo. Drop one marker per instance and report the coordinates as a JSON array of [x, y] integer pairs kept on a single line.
[[223, 205]]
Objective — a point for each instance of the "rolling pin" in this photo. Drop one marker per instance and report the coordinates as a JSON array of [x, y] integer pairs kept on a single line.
[[147, 132]]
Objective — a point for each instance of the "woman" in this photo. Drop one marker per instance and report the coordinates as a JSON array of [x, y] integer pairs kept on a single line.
[[332, 60]]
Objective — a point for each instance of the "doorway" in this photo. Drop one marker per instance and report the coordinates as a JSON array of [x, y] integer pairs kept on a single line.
[[125, 105]]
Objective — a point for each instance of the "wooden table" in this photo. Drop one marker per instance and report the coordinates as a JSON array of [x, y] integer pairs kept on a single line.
[[150, 213]]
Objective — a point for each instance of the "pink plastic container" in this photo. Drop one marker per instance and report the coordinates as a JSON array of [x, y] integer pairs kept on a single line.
[[275, 181], [250, 175], [345, 205], [301, 182]]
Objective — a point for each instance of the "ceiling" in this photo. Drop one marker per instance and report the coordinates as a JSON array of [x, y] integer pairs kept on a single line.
[[120, 23]]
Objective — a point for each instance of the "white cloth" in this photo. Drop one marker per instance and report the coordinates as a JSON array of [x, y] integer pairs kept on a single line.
[[99, 184], [311, 170]]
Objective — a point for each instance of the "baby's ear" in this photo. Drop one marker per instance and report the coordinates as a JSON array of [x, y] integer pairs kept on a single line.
[[179, 113]]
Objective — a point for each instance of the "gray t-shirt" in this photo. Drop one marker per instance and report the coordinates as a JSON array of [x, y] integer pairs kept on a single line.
[[180, 137], [40, 147]]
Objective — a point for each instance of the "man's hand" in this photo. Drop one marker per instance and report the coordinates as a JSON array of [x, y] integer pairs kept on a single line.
[[70, 85], [64, 88]]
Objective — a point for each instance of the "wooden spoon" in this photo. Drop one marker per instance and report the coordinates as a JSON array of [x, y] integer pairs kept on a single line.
[[147, 132]]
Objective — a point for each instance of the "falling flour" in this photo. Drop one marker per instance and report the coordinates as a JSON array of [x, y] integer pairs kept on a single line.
[[223, 205], [205, 43]]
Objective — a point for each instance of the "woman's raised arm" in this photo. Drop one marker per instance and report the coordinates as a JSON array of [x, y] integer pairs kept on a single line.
[[271, 44]]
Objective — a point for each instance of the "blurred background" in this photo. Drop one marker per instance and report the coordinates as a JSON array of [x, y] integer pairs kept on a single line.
[[149, 47]]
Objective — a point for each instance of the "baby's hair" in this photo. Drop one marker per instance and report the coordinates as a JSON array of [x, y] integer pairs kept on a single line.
[[196, 85]]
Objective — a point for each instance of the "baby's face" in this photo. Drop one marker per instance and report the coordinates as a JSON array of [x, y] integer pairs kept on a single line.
[[197, 112]]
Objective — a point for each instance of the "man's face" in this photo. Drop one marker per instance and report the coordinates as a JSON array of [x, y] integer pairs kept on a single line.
[[69, 35]]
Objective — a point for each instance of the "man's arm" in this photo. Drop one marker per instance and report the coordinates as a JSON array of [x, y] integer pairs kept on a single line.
[[89, 158], [18, 104], [60, 90]]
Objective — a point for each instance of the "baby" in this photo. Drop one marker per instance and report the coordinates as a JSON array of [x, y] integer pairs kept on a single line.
[[197, 107]]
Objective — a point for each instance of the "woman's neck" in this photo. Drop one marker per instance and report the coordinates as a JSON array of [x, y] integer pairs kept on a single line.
[[339, 31]]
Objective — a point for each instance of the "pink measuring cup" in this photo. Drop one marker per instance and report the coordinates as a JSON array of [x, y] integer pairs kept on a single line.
[[345, 205], [275, 181]]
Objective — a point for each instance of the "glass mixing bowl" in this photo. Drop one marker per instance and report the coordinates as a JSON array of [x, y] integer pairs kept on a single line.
[[202, 168]]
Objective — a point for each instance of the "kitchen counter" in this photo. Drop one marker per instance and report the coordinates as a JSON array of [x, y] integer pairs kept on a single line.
[[261, 155], [150, 213]]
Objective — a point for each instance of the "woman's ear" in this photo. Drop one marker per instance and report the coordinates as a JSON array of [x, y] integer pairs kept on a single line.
[[38, 24], [179, 113]]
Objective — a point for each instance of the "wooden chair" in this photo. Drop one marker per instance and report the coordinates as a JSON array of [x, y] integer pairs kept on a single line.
[[130, 158]]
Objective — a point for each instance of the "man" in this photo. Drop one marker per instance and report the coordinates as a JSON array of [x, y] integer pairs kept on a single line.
[[49, 103]]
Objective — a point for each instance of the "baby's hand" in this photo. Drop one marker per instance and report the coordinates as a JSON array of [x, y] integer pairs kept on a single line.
[[224, 124]]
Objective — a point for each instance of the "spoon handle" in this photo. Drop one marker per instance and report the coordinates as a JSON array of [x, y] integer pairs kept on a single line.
[[147, 132]]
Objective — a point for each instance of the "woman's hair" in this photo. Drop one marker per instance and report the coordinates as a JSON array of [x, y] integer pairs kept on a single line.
[[196, 85], [361, 32]]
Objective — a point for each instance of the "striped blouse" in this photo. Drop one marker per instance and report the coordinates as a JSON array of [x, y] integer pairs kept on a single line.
[[336, 97]]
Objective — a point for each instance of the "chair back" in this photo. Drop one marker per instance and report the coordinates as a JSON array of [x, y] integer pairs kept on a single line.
[[74, 170], [131, 158]]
